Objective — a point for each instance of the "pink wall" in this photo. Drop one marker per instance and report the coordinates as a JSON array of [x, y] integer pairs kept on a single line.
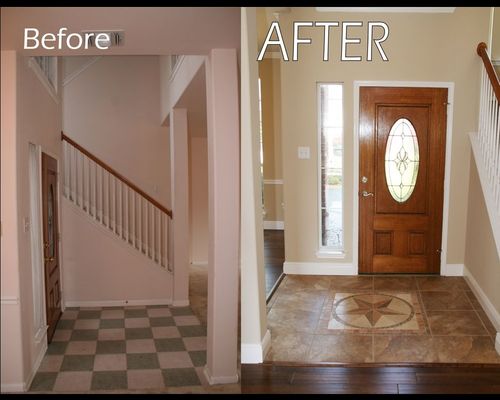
[[198, 198], [38, 118], [101, 268], [112, 110], [11, 346]]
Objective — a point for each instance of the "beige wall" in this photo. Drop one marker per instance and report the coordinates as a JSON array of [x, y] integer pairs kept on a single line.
[[495, 42], [421, 47], [481, 257], [38, 120], [112, 109], [198, 199], [269, 73]]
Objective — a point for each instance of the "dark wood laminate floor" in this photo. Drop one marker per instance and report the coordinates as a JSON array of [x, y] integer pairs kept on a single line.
[[272, 378], [274, 257]]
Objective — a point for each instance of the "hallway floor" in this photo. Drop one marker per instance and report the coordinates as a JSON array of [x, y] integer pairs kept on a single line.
[[380, 319], [136, 349], [274, 257]]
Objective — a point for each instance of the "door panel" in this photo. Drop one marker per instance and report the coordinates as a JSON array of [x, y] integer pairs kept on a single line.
[[51, 243], [402, 150]]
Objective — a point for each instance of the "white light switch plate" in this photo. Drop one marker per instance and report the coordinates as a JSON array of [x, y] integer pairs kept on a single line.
[[304, 153]]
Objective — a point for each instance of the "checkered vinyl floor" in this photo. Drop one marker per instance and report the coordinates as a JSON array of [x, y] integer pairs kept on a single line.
[[124, 348]]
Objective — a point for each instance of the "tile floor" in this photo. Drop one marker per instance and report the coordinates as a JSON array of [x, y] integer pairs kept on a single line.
[[120, 348], [348, 319]]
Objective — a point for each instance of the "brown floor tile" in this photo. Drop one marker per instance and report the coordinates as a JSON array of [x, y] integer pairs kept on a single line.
[[286, 346], [293, 320], [445, 300], [165, 332], [340, 348], [111, 334], [305, 299], [195, 343], [388, 348], [441, 283], [473, 299], [406, 283], [351, 283], [140, 346], [466, 349], [487, 323], [73, 381], [455, 323], [300, 282]]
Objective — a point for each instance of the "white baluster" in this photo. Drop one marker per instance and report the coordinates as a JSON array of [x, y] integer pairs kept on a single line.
[[126, 212], [146, 224], [139, 221]]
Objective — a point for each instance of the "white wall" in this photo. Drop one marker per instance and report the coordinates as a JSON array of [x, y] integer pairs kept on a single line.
[[100, 268], [198, 198], [112, 110], [37, 118]]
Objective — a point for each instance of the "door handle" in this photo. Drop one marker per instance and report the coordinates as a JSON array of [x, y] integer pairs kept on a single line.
[[364, 193], [49, 259]]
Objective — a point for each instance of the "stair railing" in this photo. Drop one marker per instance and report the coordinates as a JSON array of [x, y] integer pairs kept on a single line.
[[116, 203], [486, 143]]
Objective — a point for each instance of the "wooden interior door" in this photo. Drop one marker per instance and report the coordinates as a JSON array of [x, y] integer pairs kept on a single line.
[[401, 173], [51, 243]]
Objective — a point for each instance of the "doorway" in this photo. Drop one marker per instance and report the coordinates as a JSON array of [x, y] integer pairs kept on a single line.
[[402, 135], [50, 225]]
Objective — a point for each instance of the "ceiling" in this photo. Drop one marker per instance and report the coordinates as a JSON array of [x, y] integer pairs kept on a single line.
[[148, 30]]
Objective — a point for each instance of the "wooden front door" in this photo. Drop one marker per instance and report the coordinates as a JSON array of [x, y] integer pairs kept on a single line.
[[401, 175], [51, 243]]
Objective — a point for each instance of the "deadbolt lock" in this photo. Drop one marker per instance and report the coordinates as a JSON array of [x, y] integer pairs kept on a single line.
[[364, 179]]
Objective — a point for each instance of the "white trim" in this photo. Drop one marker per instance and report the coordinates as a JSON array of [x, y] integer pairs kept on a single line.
[[173, 72], [495, 63], [255, 353], [9, 300], [452, 270], [318, 268], [36, 365], [497, 342], [432, 10], [275, 225], [447, 168], [485, 302], [219, 380], [74, 74], [324, 253], [273, 181], [325, 249], [12, 387], [180, 303], [118, 303], [489, 199], [43, 79]]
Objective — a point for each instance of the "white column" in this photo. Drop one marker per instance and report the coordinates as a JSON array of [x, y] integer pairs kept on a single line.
[[255, 338], [223, 215], [179, 163]]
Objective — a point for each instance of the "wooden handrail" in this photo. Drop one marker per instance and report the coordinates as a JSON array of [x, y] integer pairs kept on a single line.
[[116, 174], [481, 51]]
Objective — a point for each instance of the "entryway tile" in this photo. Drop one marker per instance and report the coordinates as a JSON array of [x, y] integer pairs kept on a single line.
[[145, 379], [455, 323], [142, 361], [110, 362], [141, 346], [103, 380], [180, 377], [73, 381], [77, 363], [175, 359], [341, 348]]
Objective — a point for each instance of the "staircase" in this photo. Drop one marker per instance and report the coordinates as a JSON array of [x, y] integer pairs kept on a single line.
[[116, 204], [486, 142]]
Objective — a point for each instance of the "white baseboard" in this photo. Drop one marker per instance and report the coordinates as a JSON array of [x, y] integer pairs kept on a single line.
[[485, 302], [12, 387], [119, 303], [452, 270], [255, 353], [180, 303], [219, 380], [36, 365], [24, 386], [318, 268], [275, 225]]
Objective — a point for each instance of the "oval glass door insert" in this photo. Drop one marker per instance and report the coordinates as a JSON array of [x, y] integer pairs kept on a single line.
[[401, 160]]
